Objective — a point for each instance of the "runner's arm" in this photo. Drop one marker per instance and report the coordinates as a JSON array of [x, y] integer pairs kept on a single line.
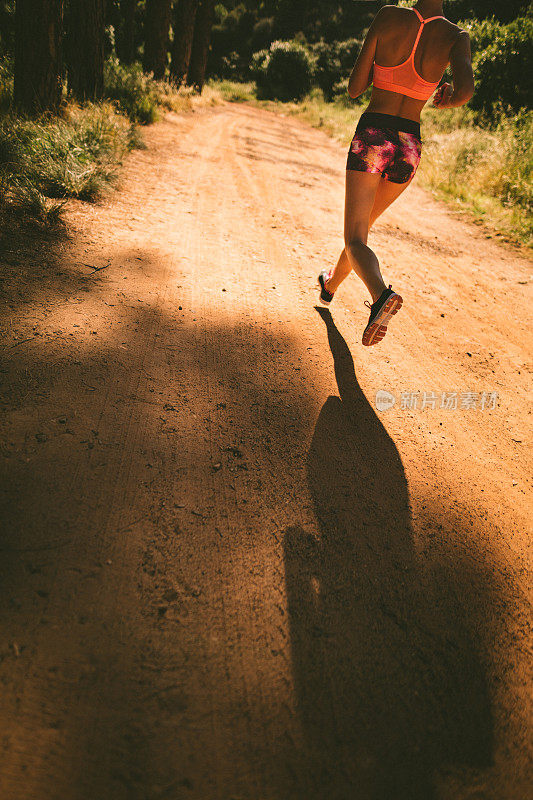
[[361, 76], [463, 76]]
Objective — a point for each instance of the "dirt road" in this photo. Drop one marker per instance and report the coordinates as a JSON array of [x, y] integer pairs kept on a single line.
[[227, 575]]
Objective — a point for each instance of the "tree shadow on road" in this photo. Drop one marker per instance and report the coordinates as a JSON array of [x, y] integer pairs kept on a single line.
[[389, 685]]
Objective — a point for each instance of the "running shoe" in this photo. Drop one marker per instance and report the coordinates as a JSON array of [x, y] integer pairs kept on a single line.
[[325, 297], [380, 314]]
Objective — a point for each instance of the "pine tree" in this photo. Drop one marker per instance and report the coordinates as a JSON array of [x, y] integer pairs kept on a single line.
[[38, 54], [184, 19], [200, 44], [85, 51], [156, 31]]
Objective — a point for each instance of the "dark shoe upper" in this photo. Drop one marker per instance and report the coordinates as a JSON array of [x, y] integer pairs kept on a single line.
[[325, 296], [376, 307]]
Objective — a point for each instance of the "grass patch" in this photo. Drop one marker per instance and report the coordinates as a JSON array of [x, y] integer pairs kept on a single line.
[[45, 161], [235, 92], [469, 161], [486, 170]]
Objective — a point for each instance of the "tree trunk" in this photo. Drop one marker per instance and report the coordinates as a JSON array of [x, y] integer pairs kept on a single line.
[[126, 35], [86, 49], [184, 17], [38, 54], [156, 29], [200, 44]]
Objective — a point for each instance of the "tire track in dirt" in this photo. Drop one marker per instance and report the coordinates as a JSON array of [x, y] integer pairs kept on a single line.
[[257, 635]]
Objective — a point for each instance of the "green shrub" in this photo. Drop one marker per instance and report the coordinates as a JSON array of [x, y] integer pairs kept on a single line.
[[340, 94], [328, 68], [482, 33], [258, 67], [75, 156], [233, 67], [284, 73], [333, 63], [141, 97], [132, 90], [502, 69], [347, 51]]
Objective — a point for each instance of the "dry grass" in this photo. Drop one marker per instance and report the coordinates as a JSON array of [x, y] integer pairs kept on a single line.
[[485, 170]]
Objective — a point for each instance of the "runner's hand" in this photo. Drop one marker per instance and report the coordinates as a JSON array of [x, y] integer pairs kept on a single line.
[[443, 95]]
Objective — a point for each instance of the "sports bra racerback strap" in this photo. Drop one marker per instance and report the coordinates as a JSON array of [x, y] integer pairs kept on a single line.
[[421, 28]]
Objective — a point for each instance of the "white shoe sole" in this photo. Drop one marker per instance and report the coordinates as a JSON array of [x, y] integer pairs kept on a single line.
[[376, 332]]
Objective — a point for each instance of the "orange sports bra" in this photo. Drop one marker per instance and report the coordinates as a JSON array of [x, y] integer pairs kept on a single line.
[[404, 78]]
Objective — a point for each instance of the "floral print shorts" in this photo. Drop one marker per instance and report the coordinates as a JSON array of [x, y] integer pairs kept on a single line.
[[386, 144]]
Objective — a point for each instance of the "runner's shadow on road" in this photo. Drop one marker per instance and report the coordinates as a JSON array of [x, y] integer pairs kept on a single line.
[[389, 686]]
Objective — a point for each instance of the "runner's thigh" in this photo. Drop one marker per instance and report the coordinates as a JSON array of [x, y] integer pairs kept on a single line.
[[361, 189]]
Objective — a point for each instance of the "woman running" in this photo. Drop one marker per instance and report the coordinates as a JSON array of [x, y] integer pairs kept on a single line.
[[404, 55]]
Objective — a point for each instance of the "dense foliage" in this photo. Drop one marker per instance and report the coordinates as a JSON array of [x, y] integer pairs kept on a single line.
[[244, 27], [283, 72], [502, 54], [136, 94], [501, 10], [333, 62]]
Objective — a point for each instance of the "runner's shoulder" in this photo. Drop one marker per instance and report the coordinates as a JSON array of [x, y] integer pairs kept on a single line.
[[456, 29], [457, 35], [387, 12], [393, 14], [387, 15]]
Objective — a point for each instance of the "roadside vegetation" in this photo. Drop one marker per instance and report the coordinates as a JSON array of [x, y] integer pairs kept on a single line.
[[77, 79], [45, 161]]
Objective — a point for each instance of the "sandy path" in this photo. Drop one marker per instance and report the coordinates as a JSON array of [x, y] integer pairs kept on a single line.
[[225, 573]]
